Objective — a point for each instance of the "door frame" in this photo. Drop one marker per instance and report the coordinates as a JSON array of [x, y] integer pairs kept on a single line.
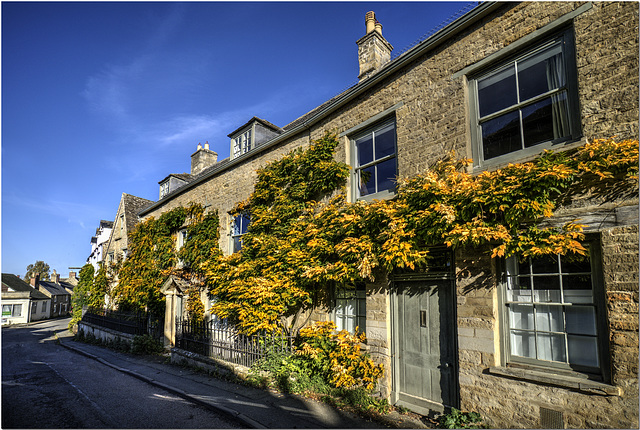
[[427, 405]]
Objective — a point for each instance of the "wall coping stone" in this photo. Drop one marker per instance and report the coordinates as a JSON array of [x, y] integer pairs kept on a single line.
[[563, 381]]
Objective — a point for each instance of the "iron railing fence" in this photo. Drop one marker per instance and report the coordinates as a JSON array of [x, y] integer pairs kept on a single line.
[[135, 323], [218, 340]]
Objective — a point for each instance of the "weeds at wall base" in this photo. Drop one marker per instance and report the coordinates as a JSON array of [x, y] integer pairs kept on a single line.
[[141, 345]]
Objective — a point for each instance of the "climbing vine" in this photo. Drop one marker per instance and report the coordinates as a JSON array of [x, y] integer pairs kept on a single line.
[[299, 242], [263, 287], [153, 256], [304, 236]]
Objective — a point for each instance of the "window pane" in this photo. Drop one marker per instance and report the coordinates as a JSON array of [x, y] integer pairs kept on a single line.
[[541, 73], [386, 175], [501, 135], [545, 264], [581, 320], [583, 350], [519, 289], [385, 141], [244, 221], [577, 289], [546, 120], [367, 181], [521, 317], [576, 263], [551, 347], [497, 91], [549, 318], [546, 289], [17, 311], [523, 344], [364, 149], [237, 243]]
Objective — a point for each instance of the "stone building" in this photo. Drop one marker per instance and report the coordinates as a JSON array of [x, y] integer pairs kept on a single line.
[[103, 232], [125, 220], [22, 303], [500, 84]]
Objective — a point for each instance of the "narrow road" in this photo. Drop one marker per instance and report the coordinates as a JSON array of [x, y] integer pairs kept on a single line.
[[46, 386]]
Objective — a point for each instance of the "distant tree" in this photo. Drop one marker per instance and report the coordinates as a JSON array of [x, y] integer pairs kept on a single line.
[[39, 268]]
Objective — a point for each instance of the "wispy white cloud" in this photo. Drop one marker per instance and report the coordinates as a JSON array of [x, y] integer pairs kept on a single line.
[[109, 92], [73, 212]]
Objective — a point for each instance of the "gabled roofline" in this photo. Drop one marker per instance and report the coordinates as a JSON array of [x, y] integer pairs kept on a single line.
[[401, 61], [256, 119]]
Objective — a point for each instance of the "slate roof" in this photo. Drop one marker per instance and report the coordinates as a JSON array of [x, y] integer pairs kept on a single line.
[[54, 289], [106, 224], [67, 285], [182, 176], [261, 121], [18, 285], [133, 205]]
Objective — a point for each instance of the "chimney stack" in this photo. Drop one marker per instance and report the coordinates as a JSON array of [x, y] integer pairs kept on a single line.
[[373, 49], [55, 277], [35, 279], [202, 158]]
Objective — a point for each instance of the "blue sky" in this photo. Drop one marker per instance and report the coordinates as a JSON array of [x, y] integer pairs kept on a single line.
[[100, 99]]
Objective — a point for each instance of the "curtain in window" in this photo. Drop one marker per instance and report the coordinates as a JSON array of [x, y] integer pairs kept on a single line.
[[560, 114]]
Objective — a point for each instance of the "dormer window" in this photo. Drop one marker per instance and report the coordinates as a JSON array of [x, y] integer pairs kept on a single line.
[[251, 135], [174, 181], [164, 188], [242, 144]]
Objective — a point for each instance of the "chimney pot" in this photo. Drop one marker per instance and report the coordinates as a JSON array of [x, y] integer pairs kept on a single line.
[[370, 21], [373, 49], [199, 146], [206, 145]]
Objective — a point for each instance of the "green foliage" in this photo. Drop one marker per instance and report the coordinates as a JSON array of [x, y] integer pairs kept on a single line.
[[263, 287], [361, 399], [457, 419], [100, 289], [146, 345], [203, 235], [195, 307], [81, 293], [322, 361], [152, 256], [38, 268]]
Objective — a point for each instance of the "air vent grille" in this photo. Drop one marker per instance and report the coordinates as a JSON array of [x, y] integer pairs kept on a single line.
[[550, 419]]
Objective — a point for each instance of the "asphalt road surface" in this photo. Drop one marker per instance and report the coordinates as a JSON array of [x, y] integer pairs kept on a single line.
[[47, 386]]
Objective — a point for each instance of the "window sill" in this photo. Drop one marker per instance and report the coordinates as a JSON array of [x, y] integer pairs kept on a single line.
[[382, 195], [563, 381], [526, 155]]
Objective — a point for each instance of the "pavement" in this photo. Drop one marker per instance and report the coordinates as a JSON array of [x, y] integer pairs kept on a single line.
[[253, 407]]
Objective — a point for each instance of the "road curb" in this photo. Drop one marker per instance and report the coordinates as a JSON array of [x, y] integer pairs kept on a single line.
[[249, 422]]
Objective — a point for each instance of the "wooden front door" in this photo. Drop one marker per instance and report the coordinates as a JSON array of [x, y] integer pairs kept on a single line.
[[425, 358]]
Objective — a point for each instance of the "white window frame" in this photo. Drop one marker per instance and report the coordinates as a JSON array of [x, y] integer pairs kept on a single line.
[[357, 168], [164, 188], [565, 41], [350, 308], [242, 143], [237, 233], [550, 317]]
